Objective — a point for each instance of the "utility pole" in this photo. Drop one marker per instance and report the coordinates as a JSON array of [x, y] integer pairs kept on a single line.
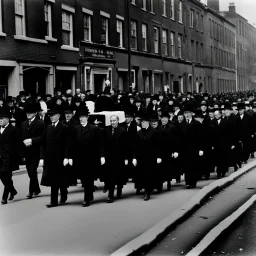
[[129, 44]]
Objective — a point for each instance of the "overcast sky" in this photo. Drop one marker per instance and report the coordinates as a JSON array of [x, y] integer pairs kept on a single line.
[[246, 8]]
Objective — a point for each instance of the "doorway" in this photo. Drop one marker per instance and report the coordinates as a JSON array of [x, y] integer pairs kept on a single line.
[[99, 82]]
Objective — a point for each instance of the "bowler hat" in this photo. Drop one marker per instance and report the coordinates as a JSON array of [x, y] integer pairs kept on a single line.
[[199, 113], [4, 112], [55, 109], [83, 111], [188, 108], [32, 107], [241, 105], [145, 117], [154, 118], [165, 114], [203, 103], [129, 112], [68, 110], [227, 106]]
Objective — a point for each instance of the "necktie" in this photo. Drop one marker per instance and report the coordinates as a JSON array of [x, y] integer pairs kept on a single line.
[[113, 130], [29, 122], [188, 121], [53, 126]]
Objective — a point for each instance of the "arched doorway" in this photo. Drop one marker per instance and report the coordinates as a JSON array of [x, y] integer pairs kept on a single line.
[[201, 87], [35, 79]]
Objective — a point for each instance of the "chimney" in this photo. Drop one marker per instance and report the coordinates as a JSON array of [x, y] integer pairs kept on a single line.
[[214, 4], [232, 7]]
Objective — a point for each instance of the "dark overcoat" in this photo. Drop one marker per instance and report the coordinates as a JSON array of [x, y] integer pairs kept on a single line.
[[54, 151], [115, 154], [10, 148], [87, 149]]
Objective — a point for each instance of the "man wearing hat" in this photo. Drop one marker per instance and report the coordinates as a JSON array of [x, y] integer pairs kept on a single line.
[[55, 155], [146, 157], [31, 133], [10, 148], [88, 154], [153, 106], [139, 109]]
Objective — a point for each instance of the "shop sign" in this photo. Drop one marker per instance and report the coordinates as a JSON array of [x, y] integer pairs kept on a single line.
[[99, 53]]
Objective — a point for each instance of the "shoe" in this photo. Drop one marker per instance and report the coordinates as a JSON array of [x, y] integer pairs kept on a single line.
[[50, 205], [105, 189], [63, 200], [169, 186], [235, 168], [29, 196], [4, 201], [86, 203], [146, 197], [188, 186], [119, 193], [110, 200], [36, 194], [12, 195], [239, 164]]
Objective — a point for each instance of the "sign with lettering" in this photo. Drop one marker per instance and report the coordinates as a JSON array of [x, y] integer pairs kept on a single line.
[[99, 53]]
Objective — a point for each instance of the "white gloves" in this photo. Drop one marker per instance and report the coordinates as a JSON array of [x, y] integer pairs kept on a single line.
[[102, 160], [28, 142], [232, 147], [65, 162], [159, 160], [134, 162], [126, 162], [70, 161], [201, 153], [175, 154], [41, 162]]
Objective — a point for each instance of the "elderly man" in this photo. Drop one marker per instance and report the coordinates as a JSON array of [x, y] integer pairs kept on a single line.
[[32, 131], [10, 142], [116, 157], [88, 154]]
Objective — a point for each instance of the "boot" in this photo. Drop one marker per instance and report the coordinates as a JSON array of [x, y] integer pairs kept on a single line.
[[146, 195]]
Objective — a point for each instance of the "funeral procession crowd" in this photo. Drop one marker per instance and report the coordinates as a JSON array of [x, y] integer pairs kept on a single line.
[[160, 138]]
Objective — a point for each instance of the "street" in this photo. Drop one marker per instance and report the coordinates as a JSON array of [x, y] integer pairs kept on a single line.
[[29, 228]]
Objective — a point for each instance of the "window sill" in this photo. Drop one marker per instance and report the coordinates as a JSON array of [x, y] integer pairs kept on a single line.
[[134, 4], [52, 39], [2, 34], [144, 10], [180, 22], [164, 16], [152, 13], [34, 40], [172, 19], [69, 48]]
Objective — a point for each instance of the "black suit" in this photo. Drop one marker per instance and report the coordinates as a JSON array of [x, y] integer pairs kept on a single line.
[[33, 131], [10, 145]]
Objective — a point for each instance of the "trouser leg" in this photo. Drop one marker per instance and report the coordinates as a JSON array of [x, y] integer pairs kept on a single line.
[[54, 194], [6, 179], [88, 189], [63, 193], [32, 166]]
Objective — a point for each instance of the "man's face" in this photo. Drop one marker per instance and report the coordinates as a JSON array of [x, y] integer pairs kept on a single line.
[[1, 103], [131, 100], [10, 104], [48, 99], [241, 111], [138, 104], [180, 118], [77, 103], [211, 115], [128, 119], [227, 112], [203, 108], [30, 115], [188, 114], [144, 124], [154, 102], [69, 98], [254, 109], [217, 114], [164, 120], [247, 108], [147, 100], [154, 124], [83, 120], [161, 97], [82, 96], [4, 121], [54, 118], [114, 121], [68, 116], [138, 121], [78, 91]]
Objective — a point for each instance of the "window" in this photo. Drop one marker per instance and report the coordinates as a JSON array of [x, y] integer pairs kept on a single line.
[[144, 38], [156, 40], [20, 18], [197, 21], [48, 18], [67, 28], [119, 30], [202, 23], [133, 2], [164, 7], [172, 36], [191, 23], [144, 4], [197, 52], [172, 15], [151, 6], [202, 53], [104, 30], [87, 27], [180, 11], [1, 21], [179, 45], [134, 35], [165, 46]]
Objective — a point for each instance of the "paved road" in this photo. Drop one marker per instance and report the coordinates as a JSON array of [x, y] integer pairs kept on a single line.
[[29, 228]]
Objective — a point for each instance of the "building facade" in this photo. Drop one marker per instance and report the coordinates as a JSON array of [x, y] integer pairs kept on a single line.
[[176, 46]]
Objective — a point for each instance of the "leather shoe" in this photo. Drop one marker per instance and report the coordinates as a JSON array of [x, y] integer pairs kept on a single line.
[[12, 195], [86, 203], [110, 200], [50, 205], [29, 196], [146, 197], [4, 201], [36, 194]]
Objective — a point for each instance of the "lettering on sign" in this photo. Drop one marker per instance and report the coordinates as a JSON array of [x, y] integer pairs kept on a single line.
[[99, 53]]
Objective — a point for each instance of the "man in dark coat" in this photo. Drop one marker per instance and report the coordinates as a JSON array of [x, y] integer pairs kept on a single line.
[[31, 133], [146, 156], [88, 154], [116, 158], [10, 145], [55, 153]]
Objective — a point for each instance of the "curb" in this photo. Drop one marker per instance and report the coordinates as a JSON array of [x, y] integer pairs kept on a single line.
[[150, 237], [220, 228]]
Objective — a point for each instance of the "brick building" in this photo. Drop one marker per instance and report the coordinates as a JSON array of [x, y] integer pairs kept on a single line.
[[175, 45]]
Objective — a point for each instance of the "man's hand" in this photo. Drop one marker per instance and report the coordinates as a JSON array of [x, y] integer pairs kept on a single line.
[[232, 147], [28, 142], [159, 160], [125, 162], [134, 162], [70, 161], [41, 162], [102, 160], [175, 154], [201, 153], [65, 162]]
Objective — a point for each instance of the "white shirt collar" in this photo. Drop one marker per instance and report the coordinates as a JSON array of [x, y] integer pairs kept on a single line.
[[56, 123]]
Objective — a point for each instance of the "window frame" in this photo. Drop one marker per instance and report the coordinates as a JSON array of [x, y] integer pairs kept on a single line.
[[134, 35], [120, 21], [172, 44], [144, 44], [144, 5], [179, 42], [156, 40], [49, 6], [22, 16], [164, 10], [172, 9], [180, 20], [165, 42], [71, 31], [191, 18], [107, 28]]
